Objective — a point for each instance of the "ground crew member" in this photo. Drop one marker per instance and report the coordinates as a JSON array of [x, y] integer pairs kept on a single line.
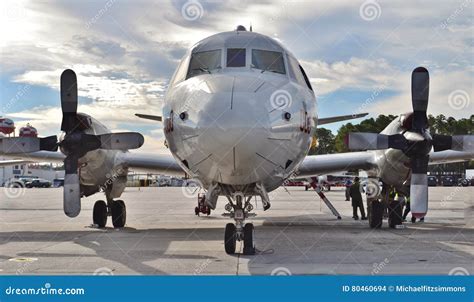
[[356, 196], [348, 184]]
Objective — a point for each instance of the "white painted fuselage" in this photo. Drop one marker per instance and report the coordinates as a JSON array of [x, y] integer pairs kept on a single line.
[[239, 126]]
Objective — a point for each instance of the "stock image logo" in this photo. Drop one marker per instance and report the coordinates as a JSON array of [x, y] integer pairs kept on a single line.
[[281, 271], [192, 10], [459, 99], [370, 187], [458, 271], [103, 271], [14, 190], [191, 188], [281, 99], [370, 10]]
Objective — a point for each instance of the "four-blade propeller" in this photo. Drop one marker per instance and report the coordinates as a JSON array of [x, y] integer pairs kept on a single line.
[[416, 143], [76, 142]]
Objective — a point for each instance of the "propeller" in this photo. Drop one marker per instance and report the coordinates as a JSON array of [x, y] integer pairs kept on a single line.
[[416, 143], [76, 143]]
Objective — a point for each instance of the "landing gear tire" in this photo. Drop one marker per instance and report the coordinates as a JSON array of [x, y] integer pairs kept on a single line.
[[249, 246], [230, 238], [119, 213], [376, 215], [99, 213], [394, 214], [196, 211]]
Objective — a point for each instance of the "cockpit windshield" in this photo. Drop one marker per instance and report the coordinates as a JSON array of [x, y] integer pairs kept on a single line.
[[266, 60], [204, 62]]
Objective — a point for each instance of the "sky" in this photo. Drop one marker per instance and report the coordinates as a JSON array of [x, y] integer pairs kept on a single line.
[[358, 54]]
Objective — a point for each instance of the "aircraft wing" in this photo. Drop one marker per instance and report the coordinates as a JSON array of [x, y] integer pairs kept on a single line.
[[157, 163], [322, 164], [32, 157], [449, 156], [369, 160]]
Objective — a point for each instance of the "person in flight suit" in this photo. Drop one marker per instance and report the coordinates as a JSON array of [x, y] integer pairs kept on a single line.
[[356, 196]]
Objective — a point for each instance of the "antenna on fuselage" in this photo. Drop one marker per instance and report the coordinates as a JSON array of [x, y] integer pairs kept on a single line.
[[251, 26]]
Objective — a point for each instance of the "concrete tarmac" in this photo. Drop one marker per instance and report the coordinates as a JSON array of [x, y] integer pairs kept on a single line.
[[298, 235]]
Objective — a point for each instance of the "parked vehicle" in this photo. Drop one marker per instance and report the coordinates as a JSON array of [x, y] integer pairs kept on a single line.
[[463, 182], [58, 182], [38, 183], [18, 182], [432, 181], [447, 181]]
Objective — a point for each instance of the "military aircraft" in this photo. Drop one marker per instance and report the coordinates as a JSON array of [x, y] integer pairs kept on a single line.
[[239, 116]]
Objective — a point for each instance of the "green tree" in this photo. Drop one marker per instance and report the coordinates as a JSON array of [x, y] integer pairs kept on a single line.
[[325, 140]]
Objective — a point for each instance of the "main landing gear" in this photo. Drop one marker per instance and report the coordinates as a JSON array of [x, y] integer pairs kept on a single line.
[[240, 231], [114, 208]]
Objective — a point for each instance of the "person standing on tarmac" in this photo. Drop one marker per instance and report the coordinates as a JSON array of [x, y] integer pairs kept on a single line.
[[357, 202], [407, 210], [348, 184]]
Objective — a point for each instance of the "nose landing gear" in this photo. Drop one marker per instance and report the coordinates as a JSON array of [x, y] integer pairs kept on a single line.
[[240, 231]]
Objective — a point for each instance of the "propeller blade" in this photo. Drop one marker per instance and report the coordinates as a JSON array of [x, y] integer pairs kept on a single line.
[[121, 141], [375, 141], [49, 143], [420, 86], [456, 142], [419, 186], [68, 100], [72, 193]]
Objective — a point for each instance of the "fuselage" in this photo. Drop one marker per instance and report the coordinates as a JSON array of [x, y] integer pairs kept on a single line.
[[239, 111]]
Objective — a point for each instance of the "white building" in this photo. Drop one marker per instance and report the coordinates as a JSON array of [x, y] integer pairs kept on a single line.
[[45, 171]]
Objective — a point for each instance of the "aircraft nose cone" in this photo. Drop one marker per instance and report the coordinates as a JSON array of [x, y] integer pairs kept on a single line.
[[235, 138]]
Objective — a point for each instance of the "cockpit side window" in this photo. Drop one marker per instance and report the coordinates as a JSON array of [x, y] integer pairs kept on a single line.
[[180, 73], [297, 73], [204, 62], [236, 57], [268, 61], [308, 83]]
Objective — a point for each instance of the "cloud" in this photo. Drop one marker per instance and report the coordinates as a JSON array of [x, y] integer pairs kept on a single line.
[[124, 53]]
